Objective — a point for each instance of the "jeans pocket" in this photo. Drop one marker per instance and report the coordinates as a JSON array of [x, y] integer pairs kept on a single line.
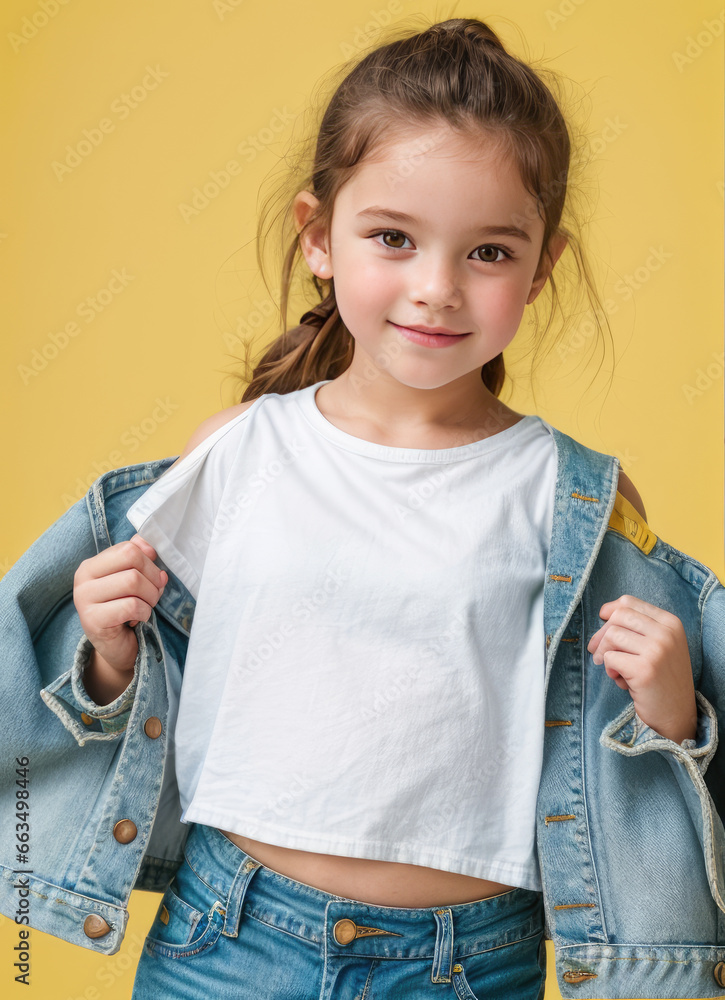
[[516, 971], [189, 919], [460, 984]]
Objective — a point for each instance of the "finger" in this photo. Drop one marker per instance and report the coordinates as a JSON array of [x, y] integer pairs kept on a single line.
[[145, 546], [634, 620], [121, 556], [125, 583], [637, 605], [618, 679], [618, 665], [596, 638], [620, 638]]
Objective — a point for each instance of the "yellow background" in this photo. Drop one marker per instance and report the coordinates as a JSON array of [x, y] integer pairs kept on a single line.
[[136, 379]]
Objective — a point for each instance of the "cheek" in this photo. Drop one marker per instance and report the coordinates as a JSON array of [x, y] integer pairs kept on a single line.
[[367, 287], [506, 300]]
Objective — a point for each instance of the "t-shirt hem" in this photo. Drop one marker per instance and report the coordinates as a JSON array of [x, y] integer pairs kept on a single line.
[[510, 873]]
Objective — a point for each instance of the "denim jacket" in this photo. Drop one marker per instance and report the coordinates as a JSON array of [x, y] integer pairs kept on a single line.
[[629, 829]]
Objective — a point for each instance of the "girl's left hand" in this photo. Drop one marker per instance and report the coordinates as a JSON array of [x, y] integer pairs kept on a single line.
[[644, 650]]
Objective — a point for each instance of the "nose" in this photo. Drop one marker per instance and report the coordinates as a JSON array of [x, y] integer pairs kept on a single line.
[[436, 284]]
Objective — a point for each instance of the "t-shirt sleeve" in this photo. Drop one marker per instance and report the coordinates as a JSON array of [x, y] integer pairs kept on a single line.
[[176, 514]]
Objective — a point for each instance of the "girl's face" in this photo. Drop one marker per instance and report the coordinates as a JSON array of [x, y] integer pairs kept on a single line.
[[431, 231]]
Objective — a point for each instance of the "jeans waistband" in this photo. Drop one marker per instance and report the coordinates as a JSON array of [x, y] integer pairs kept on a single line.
[[345, 926]]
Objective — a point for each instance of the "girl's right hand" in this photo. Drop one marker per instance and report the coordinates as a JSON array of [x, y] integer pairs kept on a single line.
[[114, 590]]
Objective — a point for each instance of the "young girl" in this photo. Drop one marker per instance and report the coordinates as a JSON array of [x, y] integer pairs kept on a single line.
[[359, 739]]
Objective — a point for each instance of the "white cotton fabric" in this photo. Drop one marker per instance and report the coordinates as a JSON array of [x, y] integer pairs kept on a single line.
[[365, 671]]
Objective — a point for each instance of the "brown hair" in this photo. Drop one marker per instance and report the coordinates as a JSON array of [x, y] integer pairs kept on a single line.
[[456, 72]]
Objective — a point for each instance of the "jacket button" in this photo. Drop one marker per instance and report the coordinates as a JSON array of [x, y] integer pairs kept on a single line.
[[95, 926], [719, 973], [88, 719], [125, 831], [152, 727], [578, 976], [344, 931]]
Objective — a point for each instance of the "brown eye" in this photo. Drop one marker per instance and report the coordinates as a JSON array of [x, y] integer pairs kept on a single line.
[[392, 234], [494, 251]]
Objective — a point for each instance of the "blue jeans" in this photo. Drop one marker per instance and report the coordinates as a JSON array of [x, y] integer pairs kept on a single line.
[[228, 927]]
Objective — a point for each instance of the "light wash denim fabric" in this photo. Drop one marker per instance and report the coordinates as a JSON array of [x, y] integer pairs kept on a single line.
[[230, 927], [630, 837]]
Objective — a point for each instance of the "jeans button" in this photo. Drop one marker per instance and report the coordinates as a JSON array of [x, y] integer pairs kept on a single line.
[[344, 931]]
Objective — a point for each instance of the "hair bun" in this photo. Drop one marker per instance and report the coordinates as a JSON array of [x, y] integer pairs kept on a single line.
[[470, 28]]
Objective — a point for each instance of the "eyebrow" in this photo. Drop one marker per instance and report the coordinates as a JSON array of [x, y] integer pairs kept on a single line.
[[375, 211]]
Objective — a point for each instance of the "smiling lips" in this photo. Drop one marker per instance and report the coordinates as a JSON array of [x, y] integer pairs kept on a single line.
[[435, 329], [430, 336]]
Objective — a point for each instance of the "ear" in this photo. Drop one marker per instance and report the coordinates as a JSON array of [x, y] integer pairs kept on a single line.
[[314, 242], [546, 265]]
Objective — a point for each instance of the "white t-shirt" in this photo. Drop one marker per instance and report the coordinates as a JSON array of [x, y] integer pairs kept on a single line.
[[365, 670]]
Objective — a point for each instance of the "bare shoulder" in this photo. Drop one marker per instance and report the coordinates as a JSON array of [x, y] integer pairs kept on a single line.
[[627, 488], [211, 424]]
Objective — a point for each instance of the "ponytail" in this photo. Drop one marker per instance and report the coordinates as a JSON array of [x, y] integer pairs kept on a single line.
[[319, 348]]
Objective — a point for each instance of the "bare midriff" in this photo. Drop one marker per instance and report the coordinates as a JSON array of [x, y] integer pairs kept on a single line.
[[381, 883]]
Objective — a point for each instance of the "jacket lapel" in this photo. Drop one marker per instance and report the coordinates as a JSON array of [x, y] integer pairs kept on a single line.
[[586, 488]]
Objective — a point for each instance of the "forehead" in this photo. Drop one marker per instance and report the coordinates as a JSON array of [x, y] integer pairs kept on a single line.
[[441, 167], [441, 141]]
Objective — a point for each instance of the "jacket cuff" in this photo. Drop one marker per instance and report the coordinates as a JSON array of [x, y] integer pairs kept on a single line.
[[113, 716], [629, 735], [79, 713]]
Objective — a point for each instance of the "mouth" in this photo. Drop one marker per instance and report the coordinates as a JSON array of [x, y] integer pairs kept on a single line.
[[430, 336], [436, 329]]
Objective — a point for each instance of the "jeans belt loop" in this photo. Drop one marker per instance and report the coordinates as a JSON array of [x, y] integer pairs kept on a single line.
[[443, 957], [235, 901]]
